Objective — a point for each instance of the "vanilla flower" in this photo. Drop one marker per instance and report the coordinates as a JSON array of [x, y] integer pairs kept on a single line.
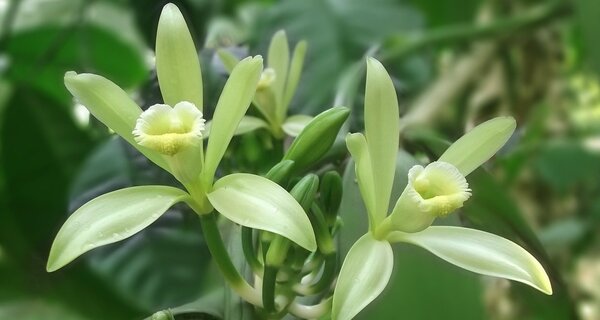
[[168, 130]]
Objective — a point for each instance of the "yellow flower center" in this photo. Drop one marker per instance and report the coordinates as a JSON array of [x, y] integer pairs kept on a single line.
[[438, 189], [168, 130]]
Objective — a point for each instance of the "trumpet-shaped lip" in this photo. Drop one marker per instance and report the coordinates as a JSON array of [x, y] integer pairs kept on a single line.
[[438, 188], [167, 129]]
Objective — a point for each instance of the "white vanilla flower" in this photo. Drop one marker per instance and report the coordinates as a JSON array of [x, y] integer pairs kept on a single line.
[[167, 129]]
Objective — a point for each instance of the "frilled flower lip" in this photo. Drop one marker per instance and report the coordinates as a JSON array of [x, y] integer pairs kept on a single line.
[[167, 129], [438, 189]]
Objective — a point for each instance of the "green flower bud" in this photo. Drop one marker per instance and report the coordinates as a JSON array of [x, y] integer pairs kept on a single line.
[[305, 190], [316, 139], [280, 172], [331, 194]]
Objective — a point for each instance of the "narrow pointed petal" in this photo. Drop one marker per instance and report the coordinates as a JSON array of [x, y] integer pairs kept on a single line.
[[233, 104], [382, 132], [110, 218], [480, 252], [295, 124], [278, 59], [480, 144], [177, 63], [365, 273], [260, 203], [111, 105], [295, 72], [228, 59], [357, 145]]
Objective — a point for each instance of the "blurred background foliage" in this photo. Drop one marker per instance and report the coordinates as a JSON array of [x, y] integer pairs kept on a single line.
[[453, 64]]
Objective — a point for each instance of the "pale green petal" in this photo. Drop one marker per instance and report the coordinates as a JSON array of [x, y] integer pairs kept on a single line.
[[177, 63], [233, 104], [110, 218], [228, 59], [260, 203], [247, 124], [480, 252], [278, 59], [480, 144], [295, 72], [407, 216], [357, 145], [111, 105], [365, 273], [295, 124], [382, 132]]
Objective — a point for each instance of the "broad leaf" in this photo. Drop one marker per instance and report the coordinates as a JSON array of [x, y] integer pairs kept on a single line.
[[480, 252], [382, 131], [364, 274], [110, 218], [177, 62], [479, 145], [259, 203]]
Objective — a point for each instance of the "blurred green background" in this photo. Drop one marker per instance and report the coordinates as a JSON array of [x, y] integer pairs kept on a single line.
[[454, 64]]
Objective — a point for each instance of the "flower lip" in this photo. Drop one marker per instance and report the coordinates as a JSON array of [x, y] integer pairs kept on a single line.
[[438, 188], [267, 77], [167, 129]]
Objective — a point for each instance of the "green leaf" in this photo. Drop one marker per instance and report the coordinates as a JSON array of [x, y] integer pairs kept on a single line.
[[295, 72], [177, 62], [42, 148], [365, 272], [480, 252], [479, 145], [586, 13], [382, 131], [233, 103], [110, 218], [293, 125], [41, 53], [357, 145], [278, 59], [111, 105], [259, 203]]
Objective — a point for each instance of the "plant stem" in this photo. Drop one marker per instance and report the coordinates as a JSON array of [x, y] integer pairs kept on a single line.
[[468, 32], [249, 251], [221, 256]]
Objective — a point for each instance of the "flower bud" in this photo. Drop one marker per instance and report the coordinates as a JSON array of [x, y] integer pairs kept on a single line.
[[305, 191], [316, 138], [331, 194]]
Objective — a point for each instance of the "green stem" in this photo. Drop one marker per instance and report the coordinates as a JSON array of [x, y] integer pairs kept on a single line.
[[465, 33], [221, 257], [249, 250], [268, 292]]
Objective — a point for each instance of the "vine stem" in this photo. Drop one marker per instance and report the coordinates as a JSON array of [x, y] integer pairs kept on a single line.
[[215, 244], [468, 32]]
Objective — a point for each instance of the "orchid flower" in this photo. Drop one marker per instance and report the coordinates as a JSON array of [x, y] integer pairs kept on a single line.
[[276, 88], [170, 135], [432, 191]]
